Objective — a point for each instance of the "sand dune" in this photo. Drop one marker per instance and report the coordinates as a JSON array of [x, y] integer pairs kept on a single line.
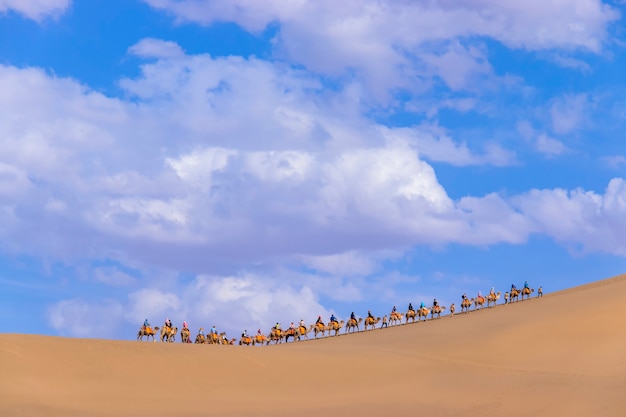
[[563, 354]]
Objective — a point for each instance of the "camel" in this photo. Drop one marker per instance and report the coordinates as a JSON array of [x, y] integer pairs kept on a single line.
[[319, 328], [335, 327], [452, 309], [259, 339], [465, 304], [514, 294], [395, 318], [168, 333], [185, 335], [200, 339], [371, 321], [526, 292], [148, 332], [276, 335], [294, 333], [302, 331], [216, 338], [478, 302], [436, 310], [352, 324], [493, 298], [410, 314], [245, 340], [422, 312]]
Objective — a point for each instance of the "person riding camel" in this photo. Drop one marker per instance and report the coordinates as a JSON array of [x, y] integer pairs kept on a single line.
[[369, 314], [333, 319], [168, 323], [480, 295], [422, 305], [393, 310], [146, 324], [244, 334], [277, 326], [492, 291], [302, 324], [526, 284], [292, 326], [411, 307], [513, 287], [353, 316], [319, 321], [258, 332], [435, 303], [185, 327], [213, 330], [464, 297]]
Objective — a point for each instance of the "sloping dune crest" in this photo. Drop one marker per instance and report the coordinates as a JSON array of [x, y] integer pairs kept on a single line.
[[563, 354]]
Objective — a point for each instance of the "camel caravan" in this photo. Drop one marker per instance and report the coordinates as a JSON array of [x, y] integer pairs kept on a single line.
[[168, 332]]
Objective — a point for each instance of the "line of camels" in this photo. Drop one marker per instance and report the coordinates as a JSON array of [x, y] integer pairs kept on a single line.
[[333, 328]]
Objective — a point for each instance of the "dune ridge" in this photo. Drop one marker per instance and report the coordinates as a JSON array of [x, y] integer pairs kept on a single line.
[[562, 354]]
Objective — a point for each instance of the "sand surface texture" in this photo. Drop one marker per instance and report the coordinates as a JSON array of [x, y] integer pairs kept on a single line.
[[560, 355]]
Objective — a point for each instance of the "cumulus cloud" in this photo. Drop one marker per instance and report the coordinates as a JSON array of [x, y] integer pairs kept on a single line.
[[583, 220], [156, 48], [568, 113], [400, 44], [35, 9]]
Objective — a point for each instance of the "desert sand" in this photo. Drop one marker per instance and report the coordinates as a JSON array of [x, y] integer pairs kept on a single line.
[[560, 355]]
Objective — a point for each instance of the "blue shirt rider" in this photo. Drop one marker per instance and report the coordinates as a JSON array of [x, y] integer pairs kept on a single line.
[[333, 318], [146, 324], [525, 284]]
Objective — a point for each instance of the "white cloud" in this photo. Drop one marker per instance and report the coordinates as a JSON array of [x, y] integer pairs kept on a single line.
[[35, 9], [568, 113], [433, 143], [112, 276], [391, 44], [156, 48], [579, 218], [80, 318], [549, 146]]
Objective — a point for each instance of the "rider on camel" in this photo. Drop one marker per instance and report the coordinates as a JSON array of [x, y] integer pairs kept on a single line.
[[435, 303], [146, 324], [319, 321], [352, 316], [411, 307], [526, 284], [333, 319], [168, 323]]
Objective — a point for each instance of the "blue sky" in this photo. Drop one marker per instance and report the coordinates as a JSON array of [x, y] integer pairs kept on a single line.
[[241, 163]]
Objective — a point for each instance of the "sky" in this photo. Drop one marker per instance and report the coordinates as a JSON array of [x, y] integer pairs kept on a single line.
[[241, 163]]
